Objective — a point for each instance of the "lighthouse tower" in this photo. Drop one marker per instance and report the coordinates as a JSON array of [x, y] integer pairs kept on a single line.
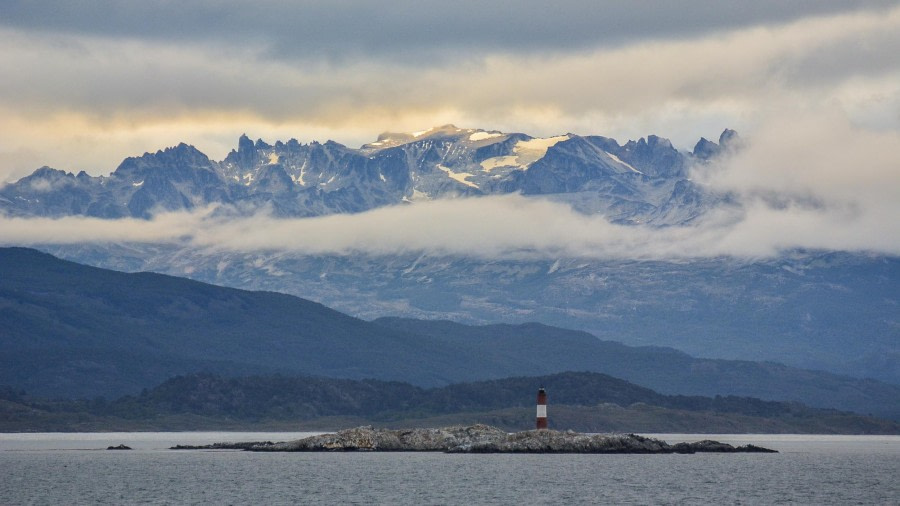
[[541, 409]]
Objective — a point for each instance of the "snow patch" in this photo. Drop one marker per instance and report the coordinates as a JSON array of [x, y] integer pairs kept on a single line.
[[618, 160], [533, 150], [554, 267], [300, 179], [480, 136], [526, 153], [414, 265], [462, 177], [499, 161], [138, 184]]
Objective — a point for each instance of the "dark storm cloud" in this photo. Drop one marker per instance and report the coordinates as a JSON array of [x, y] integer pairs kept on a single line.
[[338, 29]]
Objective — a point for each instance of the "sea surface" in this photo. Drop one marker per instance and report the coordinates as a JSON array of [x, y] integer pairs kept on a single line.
[[53, 468]]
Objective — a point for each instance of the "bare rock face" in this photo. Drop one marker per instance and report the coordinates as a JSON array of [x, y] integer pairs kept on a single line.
[[407, 440], [486, 439]]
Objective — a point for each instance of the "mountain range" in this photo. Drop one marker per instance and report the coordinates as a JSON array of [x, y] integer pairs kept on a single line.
[[640, 181], [825, 310], [70, 330]]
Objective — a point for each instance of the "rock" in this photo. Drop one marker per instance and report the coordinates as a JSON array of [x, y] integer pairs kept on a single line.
[[486, 439], [410, 440], [754, 449], [120, 447], [223, 446], [707, 446]]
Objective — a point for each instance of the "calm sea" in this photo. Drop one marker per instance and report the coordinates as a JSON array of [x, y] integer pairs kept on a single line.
[[76, 469]]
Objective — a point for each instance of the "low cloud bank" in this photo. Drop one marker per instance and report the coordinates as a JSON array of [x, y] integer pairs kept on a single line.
[[488, 227]]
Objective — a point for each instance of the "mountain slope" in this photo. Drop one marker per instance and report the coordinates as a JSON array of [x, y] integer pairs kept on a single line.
[[72, 330], [542, 348], [830, 311], [68, 329]]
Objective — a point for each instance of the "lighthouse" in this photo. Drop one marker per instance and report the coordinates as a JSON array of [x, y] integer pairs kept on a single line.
[[541, 409]]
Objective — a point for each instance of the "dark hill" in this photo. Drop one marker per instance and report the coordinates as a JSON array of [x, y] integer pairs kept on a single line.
[[582, 401], [542, 349], [69, 330]]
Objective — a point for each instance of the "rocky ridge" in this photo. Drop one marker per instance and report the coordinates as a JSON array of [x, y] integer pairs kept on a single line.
[[643, 181], [480, 438]]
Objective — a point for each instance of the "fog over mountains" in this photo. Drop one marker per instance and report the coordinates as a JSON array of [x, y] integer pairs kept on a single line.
[[635, 242]]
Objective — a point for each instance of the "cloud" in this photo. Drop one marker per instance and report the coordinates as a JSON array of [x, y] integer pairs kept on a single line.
[[164, 228], [143, 80], [84, 96], [797, 155], [510, 226], [811, 179], [412, 31]]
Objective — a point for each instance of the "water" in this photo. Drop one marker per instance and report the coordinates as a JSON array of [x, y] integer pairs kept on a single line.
[[76, 469]]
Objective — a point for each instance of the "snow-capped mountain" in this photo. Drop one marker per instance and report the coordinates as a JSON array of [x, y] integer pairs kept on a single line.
[[640, 181]]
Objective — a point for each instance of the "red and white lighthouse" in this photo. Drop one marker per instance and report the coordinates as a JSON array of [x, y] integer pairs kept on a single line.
[[541, 409]]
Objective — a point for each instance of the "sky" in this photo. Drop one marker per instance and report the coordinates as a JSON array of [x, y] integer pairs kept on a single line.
[[813, 86]]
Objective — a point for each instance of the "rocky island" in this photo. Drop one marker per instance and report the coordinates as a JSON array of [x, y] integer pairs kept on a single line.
[[479, 439]]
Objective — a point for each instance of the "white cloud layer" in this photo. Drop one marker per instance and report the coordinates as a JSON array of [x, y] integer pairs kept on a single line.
[[83, 94], [413, 31], [490, 227]]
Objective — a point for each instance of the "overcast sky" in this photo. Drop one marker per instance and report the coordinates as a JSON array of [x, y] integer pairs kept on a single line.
[[87, 83], [813, 85]]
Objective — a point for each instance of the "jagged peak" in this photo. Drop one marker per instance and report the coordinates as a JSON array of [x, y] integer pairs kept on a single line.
[[47, 170], [655, 140], [728, 138], [45, 173], [245, 145], [181, 147], [706, 149], [704, 146]]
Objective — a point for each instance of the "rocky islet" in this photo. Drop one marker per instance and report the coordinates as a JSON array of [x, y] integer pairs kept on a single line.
[[480, 438]]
